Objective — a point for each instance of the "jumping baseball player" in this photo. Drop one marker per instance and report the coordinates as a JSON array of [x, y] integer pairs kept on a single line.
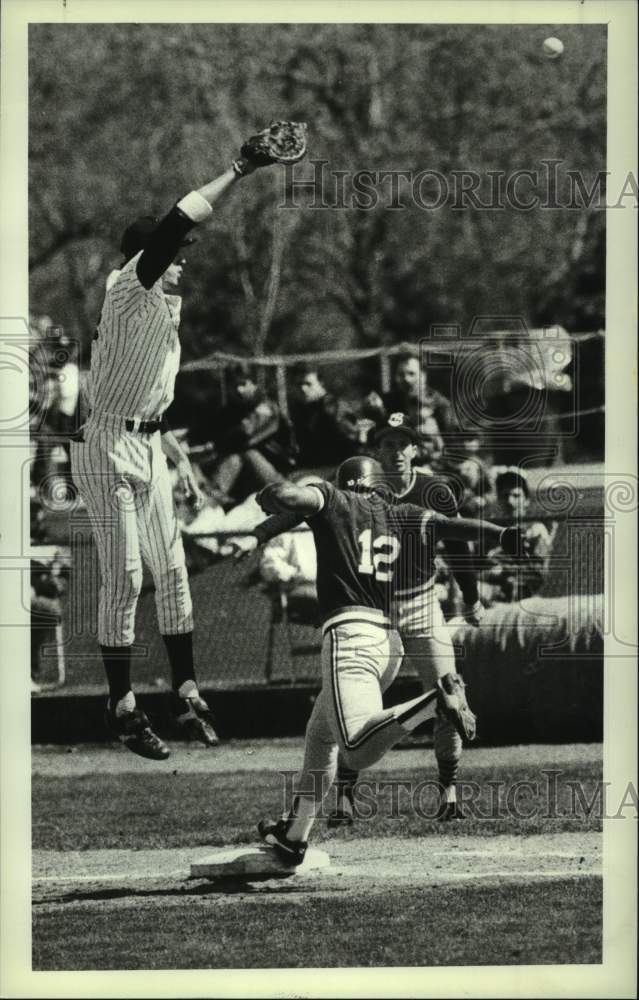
[[359, 537], [120, 468]]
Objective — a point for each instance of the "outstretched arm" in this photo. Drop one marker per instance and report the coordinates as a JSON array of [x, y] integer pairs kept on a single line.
[[465, 529], [459, 557], [282, 142], [287, 498], [276, 524]]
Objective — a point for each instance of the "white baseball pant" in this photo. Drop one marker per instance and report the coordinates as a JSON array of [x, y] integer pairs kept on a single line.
[[124, 481], [428, 648], [360, 660]]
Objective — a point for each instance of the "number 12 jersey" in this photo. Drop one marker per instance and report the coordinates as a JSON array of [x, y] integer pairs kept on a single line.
[[362, 542]]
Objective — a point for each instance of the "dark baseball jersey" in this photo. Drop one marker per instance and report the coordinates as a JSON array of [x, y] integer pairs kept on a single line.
[[430, 493], [358, 538]]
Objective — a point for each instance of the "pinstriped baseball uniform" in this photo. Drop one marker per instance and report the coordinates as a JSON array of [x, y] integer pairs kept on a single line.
[[136, 355], [121, 473]]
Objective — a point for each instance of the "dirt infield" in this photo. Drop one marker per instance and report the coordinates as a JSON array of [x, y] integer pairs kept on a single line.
[[370, 866], [114, 837]]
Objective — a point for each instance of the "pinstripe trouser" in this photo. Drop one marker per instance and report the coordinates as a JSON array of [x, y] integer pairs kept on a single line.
[[124, 480]]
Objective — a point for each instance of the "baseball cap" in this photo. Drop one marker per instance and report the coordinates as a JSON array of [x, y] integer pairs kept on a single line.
[[136, 236], [398, 422]]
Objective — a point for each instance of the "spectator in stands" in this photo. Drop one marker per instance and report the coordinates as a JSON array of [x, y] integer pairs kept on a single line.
[[325, 426], [255, 443], [504, 580], [430, 412], [472, 479], [48, 585]]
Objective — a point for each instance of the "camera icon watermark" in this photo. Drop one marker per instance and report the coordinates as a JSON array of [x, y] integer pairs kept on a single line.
[[41, 373]]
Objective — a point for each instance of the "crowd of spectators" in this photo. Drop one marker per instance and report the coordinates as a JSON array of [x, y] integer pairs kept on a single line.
[[249, 442], [253, 443]]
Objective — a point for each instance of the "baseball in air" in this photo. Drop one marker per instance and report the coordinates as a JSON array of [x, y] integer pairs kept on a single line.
[[553, 47]]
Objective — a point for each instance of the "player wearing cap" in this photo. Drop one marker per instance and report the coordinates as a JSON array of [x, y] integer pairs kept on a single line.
[[417, 612], [120, 468], [359, 536]]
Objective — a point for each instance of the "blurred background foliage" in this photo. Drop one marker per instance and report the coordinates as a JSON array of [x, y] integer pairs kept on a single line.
[[124, 119]]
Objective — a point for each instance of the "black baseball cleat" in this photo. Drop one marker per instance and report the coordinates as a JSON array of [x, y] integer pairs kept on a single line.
[[292, 852], [133, 729], [452, 704], [194, 717]]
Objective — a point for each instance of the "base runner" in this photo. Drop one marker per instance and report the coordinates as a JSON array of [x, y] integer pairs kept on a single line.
[[359, 537], [417, 613]]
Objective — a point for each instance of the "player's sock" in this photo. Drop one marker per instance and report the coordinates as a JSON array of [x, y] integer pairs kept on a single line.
[[447, 772], [449, 794], [448, 750], [117, 666], [302, 817], [188, 689], [124, 705], [180, 651]]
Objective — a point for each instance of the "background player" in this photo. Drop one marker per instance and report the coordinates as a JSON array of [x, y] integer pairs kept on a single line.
[[417, 612], [120, 467], [359, 537]]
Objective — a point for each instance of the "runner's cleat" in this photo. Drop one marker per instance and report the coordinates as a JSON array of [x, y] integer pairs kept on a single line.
[[292, 852]]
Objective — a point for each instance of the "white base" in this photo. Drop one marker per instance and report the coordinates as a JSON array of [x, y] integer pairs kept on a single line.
[[246, 861]]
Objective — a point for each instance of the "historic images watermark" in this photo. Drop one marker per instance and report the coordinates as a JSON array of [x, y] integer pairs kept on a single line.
[[550, 185], [551, 796]]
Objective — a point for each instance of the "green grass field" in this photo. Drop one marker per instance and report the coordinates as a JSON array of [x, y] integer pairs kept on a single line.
[[468, 925], [481, 891]]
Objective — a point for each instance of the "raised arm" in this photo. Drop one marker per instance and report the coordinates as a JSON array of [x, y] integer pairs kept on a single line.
[[172, 230], [282, 142]]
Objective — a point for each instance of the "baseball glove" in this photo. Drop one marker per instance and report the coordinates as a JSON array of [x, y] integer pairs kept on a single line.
[[281, 142]]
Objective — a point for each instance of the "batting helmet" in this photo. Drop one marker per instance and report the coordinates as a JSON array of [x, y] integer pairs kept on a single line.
[[359, 472]]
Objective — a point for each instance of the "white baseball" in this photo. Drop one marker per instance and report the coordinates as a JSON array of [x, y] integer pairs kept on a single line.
[[553, 47]]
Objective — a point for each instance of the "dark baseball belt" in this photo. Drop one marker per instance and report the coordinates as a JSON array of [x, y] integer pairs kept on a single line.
[[143, 426]]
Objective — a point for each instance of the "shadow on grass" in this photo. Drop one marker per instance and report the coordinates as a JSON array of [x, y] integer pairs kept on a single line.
[[229, 886]]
